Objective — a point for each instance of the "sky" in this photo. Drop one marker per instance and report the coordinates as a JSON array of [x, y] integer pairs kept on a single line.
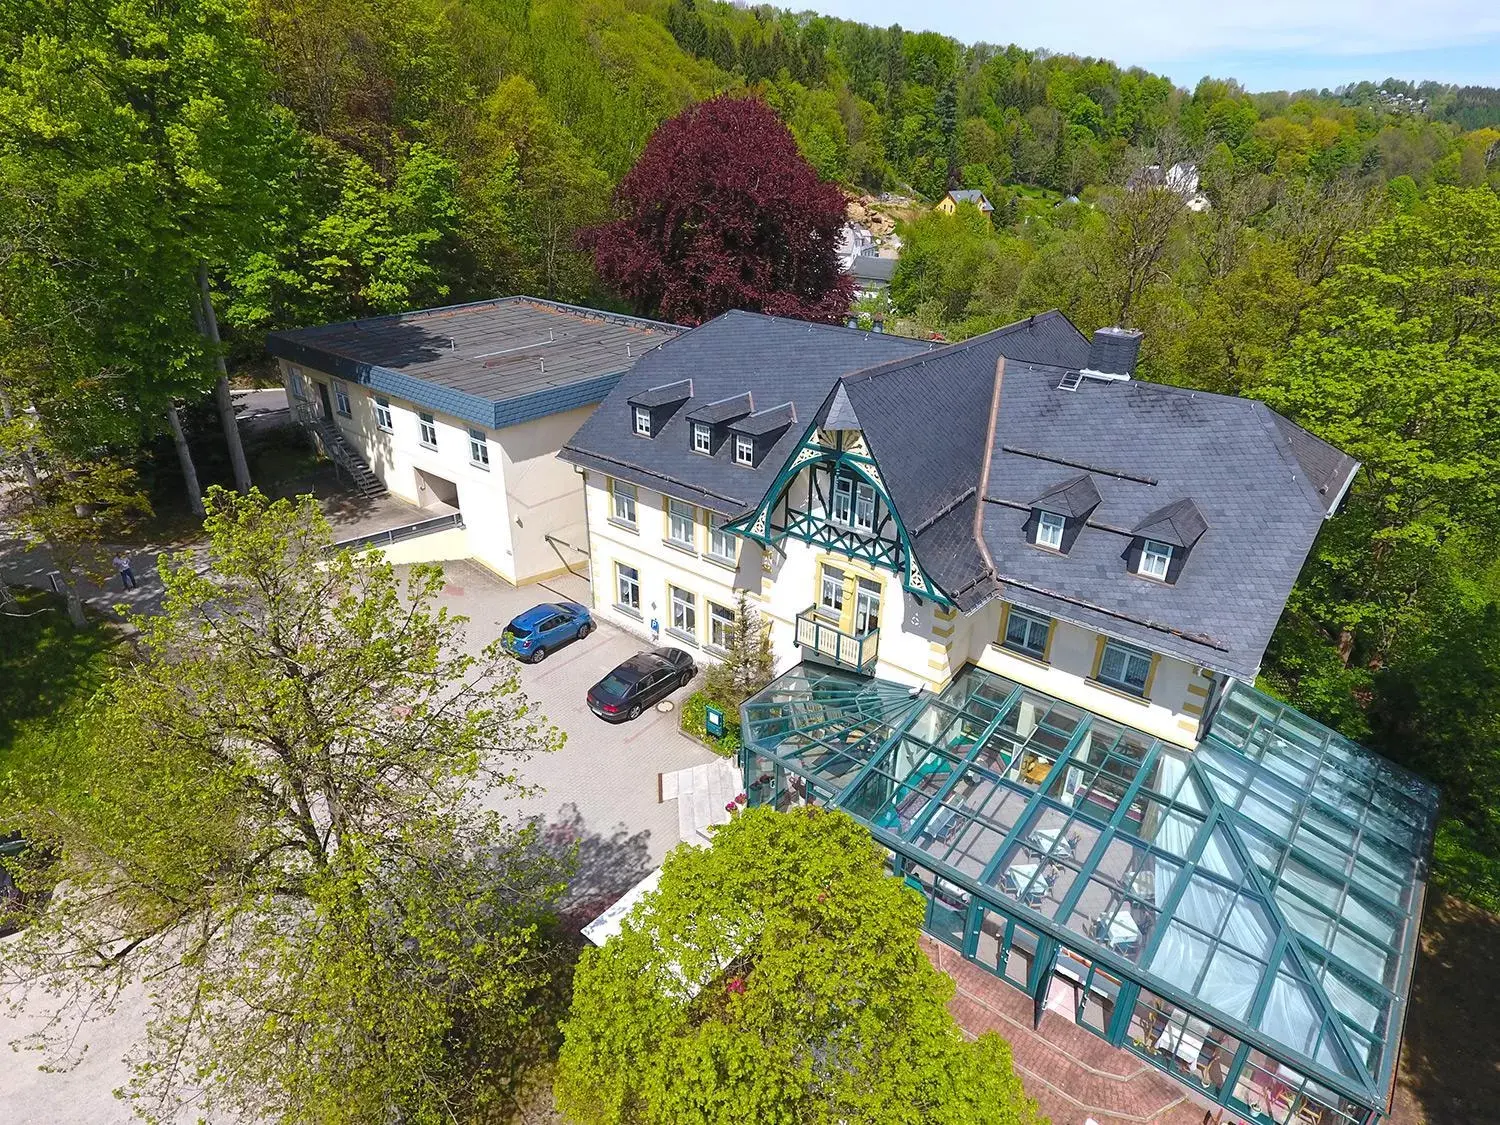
[[1266, 44]]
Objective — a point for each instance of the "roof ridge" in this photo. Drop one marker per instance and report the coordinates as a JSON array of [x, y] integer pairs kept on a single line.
[[888, 366], [868, 334]]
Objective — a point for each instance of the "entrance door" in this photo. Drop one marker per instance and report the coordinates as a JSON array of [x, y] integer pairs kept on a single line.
[[327, 404], [866, 607]]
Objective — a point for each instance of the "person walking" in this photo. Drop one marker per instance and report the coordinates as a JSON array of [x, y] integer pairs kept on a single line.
[[127, 574]]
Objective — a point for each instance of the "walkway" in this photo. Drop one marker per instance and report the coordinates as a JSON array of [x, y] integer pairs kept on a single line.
[[1073, 1074]]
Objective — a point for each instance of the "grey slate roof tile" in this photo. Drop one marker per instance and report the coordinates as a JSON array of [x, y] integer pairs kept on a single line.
[[775, 359]]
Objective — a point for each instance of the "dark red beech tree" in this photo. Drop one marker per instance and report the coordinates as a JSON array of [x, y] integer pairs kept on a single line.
[[722, 212]]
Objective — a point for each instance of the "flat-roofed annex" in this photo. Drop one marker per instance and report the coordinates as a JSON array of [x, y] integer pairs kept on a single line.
[[495, 362]]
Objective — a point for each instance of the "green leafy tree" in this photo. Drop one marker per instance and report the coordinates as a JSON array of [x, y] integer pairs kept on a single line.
[[277, 817], [747, 664], [776, 977]]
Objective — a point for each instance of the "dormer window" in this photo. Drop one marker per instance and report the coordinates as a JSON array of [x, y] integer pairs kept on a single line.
[[1049, 530], [642, 422], [744, 449], [1156, 559], [703, 438], [1164, 540], [853, 504]]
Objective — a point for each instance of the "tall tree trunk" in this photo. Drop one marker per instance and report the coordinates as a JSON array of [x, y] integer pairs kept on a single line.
[[222, 397], [28, 470], [185, 458]]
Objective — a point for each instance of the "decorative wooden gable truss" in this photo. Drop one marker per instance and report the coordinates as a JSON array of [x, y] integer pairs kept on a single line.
[[800, 505]]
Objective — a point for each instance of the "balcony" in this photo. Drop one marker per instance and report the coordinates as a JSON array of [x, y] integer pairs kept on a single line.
[[821, 641]]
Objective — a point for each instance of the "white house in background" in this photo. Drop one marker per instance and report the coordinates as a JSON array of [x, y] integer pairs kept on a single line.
[[1181, 179], [854, 239], [463, 410]]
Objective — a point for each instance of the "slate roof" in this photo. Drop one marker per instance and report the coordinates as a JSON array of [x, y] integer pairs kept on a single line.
[[1076, 497], [775, 359], [1261, 486], [967, 447], [495, 363], [872, 267], [726, 409], [679, 391], [1179, 524], [970, 195]]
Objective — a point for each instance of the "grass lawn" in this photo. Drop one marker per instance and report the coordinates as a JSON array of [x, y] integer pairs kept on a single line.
[[48, 670]]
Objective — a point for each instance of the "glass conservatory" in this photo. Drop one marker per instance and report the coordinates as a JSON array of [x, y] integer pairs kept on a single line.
[[1243, 916]]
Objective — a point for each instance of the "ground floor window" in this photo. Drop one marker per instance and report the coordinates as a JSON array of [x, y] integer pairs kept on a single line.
[[1006, 948], [684, 613], [627, 587], [1027, 632], [720, 625], [1125, 667]]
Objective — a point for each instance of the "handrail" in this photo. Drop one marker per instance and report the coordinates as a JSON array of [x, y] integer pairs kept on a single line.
[[832, 643], [406, 531]]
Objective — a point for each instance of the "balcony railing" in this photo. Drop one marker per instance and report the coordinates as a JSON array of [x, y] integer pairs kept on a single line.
[[822, 641]]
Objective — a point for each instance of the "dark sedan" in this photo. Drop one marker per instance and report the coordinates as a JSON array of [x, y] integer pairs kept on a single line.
[[642, 681]]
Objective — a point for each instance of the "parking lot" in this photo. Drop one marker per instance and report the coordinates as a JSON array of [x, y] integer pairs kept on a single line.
[[602, 785]]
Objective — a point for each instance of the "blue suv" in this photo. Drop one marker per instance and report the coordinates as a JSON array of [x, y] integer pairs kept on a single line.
[[546, 628]]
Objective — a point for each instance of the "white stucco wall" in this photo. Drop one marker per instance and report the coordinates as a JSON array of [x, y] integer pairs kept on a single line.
[[918, 643], [524, 479]]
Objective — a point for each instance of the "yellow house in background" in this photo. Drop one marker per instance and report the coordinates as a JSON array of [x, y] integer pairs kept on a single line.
[[949, 203]]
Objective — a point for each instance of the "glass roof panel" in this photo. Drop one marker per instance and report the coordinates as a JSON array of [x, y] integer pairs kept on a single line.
[[1219, 878]]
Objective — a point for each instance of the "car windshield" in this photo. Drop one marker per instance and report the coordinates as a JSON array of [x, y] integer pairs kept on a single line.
[[519, 628], [614, 687]]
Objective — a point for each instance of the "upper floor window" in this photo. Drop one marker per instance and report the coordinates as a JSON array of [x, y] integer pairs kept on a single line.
[[854, 503], [1125, 667], [383, 414], [1156, 559], [341, 398], [429, 430], [702, 438], [744, 449], [722, 544], [864, 507], [831, 591], [682, 524], [642, 421], [1049, 530], [479, 448], [623, 502], [1027, 632]]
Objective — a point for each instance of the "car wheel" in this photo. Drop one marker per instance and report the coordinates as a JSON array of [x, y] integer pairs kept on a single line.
[[687, 678], [584, 630], [634, 712], [539, 654]]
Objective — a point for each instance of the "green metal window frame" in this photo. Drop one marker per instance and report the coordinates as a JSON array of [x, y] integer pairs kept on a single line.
[[938, 780]]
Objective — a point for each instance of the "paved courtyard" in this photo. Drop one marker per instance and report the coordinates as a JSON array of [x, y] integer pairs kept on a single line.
[[599, 791], [602, 786]]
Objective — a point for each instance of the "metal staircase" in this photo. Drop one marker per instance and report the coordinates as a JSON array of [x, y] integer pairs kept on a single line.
[[340, 452]]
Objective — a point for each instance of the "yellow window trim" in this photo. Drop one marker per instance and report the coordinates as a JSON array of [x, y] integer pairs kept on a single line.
[[1099, 659], [1046, 657], [853, 572]]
